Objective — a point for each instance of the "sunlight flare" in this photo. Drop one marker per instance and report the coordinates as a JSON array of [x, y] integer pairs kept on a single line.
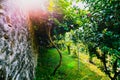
[[33, 4]]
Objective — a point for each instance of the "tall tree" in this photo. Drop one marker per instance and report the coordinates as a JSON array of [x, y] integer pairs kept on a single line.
[[17, 61], [105, 20]]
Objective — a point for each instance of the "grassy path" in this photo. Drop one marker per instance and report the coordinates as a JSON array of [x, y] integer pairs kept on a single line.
[[69, 69]]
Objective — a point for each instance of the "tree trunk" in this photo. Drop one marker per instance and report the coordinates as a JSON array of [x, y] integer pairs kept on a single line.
[[68, 48], [59, 52], [16, 58]]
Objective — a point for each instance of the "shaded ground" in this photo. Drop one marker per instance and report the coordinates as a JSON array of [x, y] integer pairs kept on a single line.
[[69, 69]]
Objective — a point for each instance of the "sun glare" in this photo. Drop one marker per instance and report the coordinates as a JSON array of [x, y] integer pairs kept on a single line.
[[33, 4], [80, 5]]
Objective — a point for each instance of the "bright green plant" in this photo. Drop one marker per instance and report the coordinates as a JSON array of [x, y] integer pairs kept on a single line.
[[105, 20]]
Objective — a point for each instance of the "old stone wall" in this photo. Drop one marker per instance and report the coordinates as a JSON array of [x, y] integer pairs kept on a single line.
[[16, 58]]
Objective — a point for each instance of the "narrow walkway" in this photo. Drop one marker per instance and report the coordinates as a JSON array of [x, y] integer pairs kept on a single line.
[[69, 69]]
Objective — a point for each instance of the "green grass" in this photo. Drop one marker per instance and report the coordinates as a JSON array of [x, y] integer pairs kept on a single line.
[[69, 70]]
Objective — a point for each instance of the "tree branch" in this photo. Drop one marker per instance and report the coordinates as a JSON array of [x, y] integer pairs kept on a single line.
[[60, 54]]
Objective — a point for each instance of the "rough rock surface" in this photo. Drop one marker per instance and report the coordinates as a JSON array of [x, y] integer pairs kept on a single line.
[[16, 58]]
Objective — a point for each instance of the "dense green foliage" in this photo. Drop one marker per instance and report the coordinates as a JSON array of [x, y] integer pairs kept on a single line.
[[96, 28], [105, 20]]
